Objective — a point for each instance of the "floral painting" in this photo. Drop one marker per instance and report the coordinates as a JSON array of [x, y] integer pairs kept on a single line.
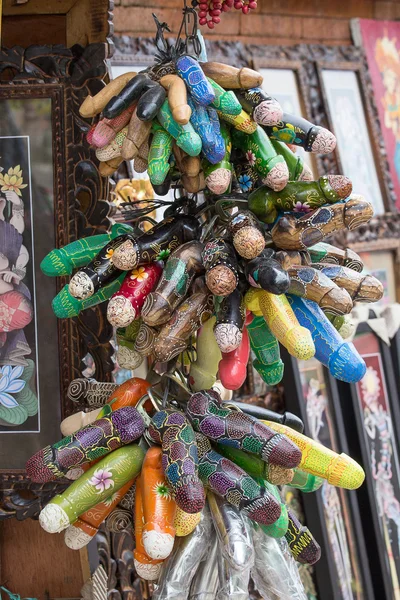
[[18, 394], [381, 42], [381, 444], [335, 503]]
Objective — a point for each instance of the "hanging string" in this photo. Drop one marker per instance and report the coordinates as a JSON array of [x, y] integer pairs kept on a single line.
[[190, 44]]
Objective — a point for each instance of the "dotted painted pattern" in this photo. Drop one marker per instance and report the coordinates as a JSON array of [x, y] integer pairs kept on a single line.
[[173, 431], [240, 431]]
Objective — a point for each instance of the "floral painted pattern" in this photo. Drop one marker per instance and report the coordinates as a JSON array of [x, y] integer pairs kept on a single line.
[[109, 253], [302, 207], [251, 158], [10, 384], [163, 254], [162, 489], [245, 182], [108, 502], [102, 480], [12, 181], [139, 274]]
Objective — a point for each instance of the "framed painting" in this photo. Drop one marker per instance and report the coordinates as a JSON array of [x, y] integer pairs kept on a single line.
[[331, 513], [349, 111], [285, 80], [50, 191], [373, 405], [381, 43]]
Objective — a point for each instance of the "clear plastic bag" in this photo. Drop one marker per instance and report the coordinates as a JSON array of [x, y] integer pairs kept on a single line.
[[234, 533], [233, 584], [275, 571], [179, 569], [205, 583]]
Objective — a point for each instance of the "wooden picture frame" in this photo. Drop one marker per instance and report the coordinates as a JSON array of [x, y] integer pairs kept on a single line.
[[77, 199], [320, 506], [373, 406]]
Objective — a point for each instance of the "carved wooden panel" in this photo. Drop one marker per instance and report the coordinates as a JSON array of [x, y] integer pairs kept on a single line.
[[66, 76]]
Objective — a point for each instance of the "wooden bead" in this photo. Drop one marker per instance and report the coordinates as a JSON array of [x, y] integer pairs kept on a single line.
[[180, 269], [300, 196], [138, 132], [290, 233], [177, 98], [312, 284], [126, 304], [220, 262], [362, 288], [282, 322], [188, 317], [93, 105], [231, 77]]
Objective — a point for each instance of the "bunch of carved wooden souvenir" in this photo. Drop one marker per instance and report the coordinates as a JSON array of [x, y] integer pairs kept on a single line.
[[244, 267], [208, 510]]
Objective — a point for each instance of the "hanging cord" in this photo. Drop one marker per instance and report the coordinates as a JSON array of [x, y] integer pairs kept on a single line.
[[11, 595]]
